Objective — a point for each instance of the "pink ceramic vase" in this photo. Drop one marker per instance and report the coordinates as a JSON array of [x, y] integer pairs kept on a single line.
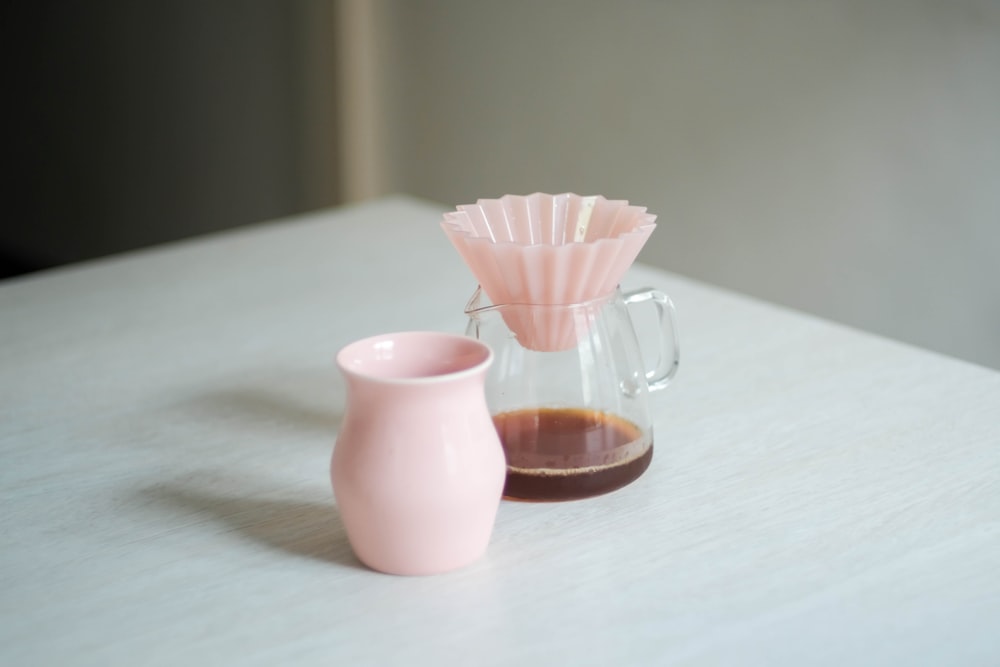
[[418, 469]]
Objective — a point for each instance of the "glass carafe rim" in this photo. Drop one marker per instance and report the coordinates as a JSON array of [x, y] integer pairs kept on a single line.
[[472, 310]]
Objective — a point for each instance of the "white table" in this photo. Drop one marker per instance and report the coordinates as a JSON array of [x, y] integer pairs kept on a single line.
[[818, 495]]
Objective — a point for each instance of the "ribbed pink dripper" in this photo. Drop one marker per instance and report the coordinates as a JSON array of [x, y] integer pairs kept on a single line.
[[544, 249]]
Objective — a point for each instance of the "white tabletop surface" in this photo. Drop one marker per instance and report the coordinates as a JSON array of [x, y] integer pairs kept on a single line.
[[818, 495]]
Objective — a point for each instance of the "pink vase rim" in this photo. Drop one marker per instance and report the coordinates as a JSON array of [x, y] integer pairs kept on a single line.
[[414, 357]]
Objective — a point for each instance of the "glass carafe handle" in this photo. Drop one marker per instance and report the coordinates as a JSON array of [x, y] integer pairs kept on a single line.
[[670, 352]]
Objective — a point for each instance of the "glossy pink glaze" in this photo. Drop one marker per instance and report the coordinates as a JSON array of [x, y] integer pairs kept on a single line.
[[418, 469]]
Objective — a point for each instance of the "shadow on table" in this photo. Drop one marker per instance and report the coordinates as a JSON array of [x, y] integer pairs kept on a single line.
[[273, 400], [259, 407], [306, 529]]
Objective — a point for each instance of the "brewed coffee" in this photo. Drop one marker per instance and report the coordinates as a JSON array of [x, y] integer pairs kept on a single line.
[[566, 453]]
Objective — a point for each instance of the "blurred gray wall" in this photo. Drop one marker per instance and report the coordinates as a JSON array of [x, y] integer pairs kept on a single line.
[[841, 156], [133, 123], [838, 156]]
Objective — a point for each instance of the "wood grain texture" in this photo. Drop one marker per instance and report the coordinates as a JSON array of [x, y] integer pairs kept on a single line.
[[818, 495]]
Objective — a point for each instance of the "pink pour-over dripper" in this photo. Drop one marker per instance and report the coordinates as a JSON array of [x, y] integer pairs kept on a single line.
[[549, 250]]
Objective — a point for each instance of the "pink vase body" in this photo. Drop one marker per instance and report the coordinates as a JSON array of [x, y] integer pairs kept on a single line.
[[418, 469]]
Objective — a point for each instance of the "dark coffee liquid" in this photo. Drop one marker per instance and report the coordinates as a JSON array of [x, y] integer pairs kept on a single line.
[[563, 454]]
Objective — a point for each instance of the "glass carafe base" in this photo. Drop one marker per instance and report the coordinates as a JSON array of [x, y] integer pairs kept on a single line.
[[573, 484]]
